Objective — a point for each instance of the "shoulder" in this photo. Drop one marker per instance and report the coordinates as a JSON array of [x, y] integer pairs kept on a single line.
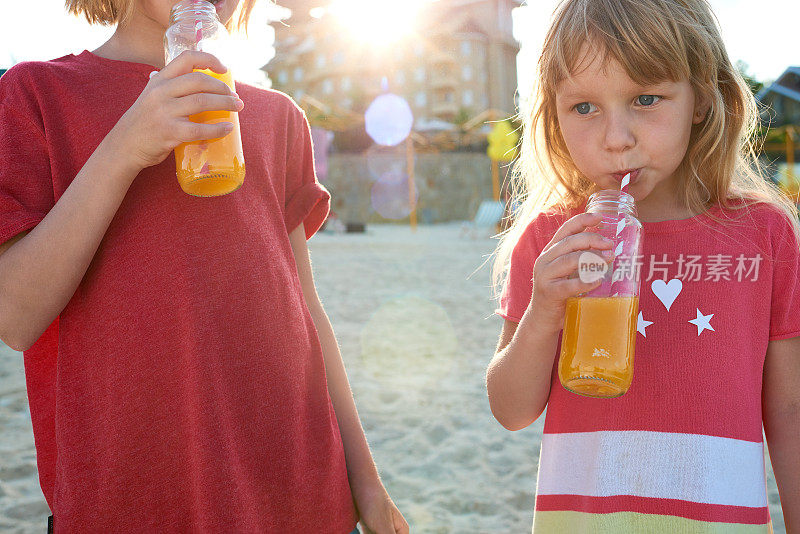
[[543, 225], [766, 217], [27, 83], [30, 73]]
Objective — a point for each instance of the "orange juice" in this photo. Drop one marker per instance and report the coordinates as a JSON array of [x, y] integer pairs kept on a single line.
[[597, 345], [212, 167]]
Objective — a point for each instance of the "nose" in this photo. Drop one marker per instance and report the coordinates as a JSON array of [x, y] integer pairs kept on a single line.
[[619, 132]]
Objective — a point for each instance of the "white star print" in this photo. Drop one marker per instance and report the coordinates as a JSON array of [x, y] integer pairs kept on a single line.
[[703, 322], [641, 324]]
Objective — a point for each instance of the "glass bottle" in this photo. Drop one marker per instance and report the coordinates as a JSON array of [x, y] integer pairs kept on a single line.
[[209, 167], [598, 341]]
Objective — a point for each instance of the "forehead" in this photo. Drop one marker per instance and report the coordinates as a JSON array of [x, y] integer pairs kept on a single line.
[[595, 70]]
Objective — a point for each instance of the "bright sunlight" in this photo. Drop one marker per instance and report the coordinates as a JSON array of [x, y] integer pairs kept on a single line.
[[377, 21]]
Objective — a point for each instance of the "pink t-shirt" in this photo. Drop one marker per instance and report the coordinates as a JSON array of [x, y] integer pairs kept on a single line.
[[682, 450], [183, 386]]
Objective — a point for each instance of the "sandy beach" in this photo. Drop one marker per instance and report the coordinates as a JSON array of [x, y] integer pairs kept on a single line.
[[414, 318]]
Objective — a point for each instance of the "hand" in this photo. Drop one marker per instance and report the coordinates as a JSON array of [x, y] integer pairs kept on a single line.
[[552, 281], [379, 515], [159, 119]]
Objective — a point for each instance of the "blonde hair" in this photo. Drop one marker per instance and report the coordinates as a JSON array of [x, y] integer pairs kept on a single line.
[[653, 40], [111, 12]]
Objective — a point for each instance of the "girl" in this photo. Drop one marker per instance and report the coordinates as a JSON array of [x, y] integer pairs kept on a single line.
[[192, 381], [645, 87]]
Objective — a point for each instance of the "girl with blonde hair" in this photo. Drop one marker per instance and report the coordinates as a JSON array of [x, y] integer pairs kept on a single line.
[[645, 88]]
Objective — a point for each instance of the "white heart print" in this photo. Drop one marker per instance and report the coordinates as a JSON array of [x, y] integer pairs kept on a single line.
[[667, 292]]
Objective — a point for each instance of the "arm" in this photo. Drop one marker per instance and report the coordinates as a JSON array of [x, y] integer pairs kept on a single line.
[[781, 413], [518, 377], [40, 270], [377, 510]]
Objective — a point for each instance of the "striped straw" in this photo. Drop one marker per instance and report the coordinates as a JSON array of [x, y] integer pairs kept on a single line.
[[620, 244], [198, 33]]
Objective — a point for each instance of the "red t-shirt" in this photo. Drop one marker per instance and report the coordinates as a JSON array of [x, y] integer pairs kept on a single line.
[[682, 449], [183, 386]]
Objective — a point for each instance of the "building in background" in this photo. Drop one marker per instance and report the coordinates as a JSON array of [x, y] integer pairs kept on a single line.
[[457, 59], [782, 99]]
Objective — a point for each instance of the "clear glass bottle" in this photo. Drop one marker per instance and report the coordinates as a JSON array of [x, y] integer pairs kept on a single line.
[[598, 341], [210, 167]]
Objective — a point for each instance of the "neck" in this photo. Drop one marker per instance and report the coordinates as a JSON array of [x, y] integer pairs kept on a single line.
[[139, 40], [662, 204]]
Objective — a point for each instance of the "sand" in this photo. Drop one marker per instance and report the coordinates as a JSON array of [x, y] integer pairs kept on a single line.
[[413, 315]]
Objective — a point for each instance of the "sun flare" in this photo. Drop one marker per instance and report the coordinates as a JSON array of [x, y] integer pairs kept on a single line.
[[377, 21]]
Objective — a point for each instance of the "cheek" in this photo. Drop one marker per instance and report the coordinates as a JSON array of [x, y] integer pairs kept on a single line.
[[577, 139]]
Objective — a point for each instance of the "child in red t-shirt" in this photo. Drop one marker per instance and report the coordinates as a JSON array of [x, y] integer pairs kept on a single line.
[[645, 88], [182, 373]]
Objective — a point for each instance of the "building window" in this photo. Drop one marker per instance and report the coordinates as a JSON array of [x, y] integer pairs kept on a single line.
[[299, 94], [480, 52], [467, 98], [400, 77], [466, 72], [347, 103], [327, 87], [346, 84], [283, 77], [298, 74], [419, 49], [420, 99], [448, 96], [338, 58], [466, 48], [320, 60], [419, 74]]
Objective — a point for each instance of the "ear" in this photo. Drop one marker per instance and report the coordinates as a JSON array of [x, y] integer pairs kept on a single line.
[[701, 107]]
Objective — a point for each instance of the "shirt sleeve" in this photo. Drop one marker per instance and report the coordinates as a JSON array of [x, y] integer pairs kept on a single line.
[[518, 287], [307, 201], [785, 309], [26, 186]]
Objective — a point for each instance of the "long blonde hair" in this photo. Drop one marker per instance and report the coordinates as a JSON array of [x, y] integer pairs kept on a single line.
[[654, 40]]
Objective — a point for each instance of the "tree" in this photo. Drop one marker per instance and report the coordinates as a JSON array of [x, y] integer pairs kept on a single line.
[[755, 85]]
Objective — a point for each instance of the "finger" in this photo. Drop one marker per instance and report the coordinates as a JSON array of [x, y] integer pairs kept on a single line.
[[582, 241], [194, 131], [196, 82], [574, 225], [199, 102], [189, 60], [565, 265], [400, 524], [572, 287]]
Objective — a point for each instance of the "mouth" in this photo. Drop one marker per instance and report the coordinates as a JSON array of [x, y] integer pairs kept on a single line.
[[619, 175]]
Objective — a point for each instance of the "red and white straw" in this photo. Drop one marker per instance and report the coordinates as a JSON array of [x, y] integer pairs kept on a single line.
[[620, 226], [198, 33]]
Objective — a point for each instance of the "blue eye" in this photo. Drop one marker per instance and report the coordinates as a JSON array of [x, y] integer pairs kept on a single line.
[[584, 108], [647, 100]]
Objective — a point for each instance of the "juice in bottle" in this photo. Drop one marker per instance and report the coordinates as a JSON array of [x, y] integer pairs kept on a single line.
[[209, 167], [597, 346], [212, 167], [598, 341]]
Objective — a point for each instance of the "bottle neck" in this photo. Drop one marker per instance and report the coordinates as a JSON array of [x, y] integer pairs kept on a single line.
[[611, 200], [192, 10]]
